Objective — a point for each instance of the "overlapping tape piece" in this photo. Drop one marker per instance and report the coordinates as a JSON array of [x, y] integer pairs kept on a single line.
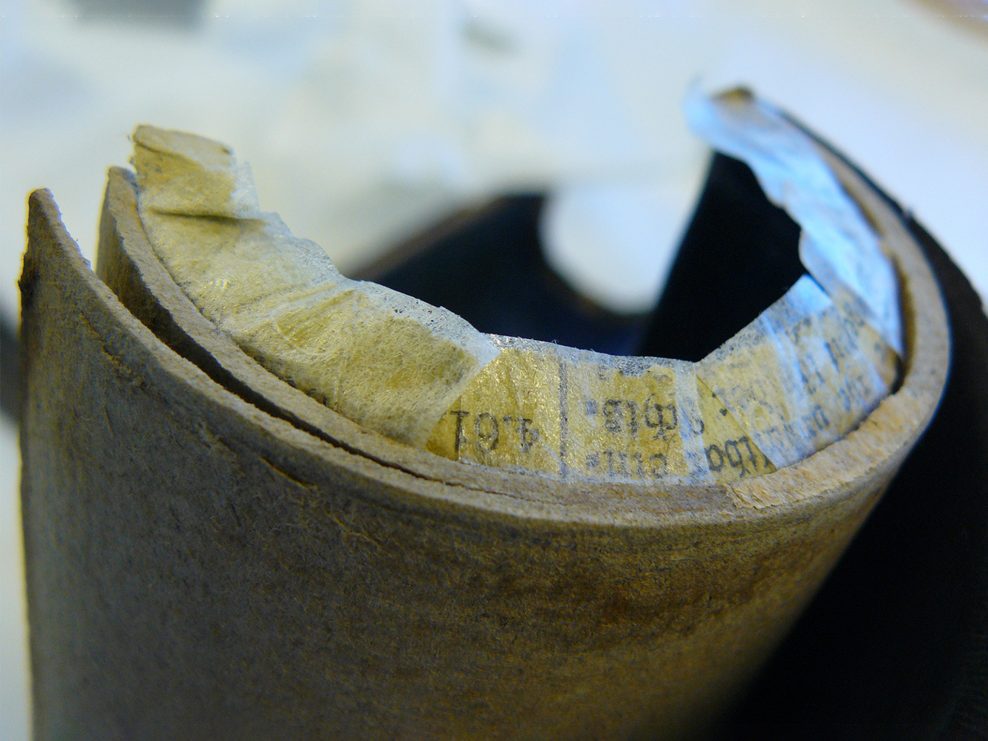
[[799, 377], [375, 355]]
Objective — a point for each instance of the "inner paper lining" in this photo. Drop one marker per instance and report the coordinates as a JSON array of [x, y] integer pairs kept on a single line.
[[799, 377]]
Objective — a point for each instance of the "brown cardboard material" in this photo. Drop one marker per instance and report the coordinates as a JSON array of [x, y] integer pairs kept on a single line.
[[210, 556]]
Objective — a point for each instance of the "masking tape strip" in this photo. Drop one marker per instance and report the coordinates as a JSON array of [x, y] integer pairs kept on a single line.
[[799, 377], [377, 356]]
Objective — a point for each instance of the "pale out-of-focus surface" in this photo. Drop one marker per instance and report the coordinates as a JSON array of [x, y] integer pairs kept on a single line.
[[364, 120], [13, 616]]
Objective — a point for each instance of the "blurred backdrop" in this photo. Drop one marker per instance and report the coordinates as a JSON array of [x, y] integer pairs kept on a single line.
[[366, 121]]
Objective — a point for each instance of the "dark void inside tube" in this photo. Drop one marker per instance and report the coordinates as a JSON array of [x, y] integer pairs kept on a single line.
[[738, 255]]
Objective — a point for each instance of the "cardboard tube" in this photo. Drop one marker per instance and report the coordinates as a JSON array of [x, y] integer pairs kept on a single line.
[[212, 553]]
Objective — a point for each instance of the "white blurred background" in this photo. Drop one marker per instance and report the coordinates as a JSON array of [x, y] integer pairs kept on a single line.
[[364, 121]]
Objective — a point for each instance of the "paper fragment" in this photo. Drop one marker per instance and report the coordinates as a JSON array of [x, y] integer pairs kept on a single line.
[[799, 377], [838, 246]]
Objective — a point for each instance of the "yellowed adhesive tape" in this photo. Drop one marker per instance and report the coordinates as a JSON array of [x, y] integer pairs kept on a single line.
[[799, 377]]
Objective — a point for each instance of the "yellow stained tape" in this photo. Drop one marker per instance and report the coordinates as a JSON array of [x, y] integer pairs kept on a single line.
[[377, 356], [799, 377]]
